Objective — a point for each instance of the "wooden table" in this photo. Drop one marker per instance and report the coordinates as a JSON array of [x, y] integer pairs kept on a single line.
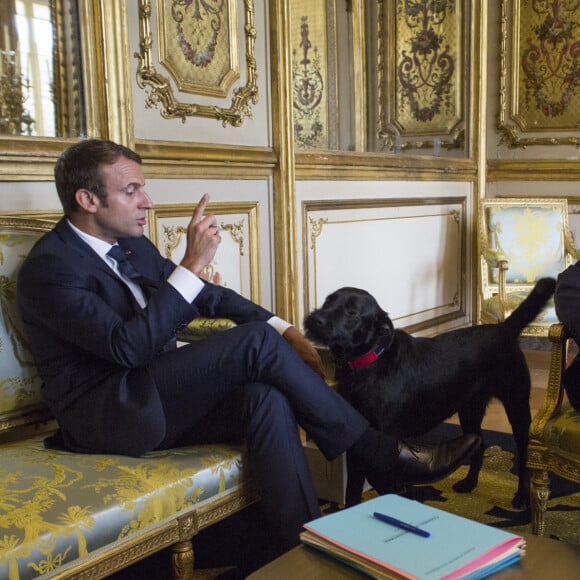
[[545, 559]]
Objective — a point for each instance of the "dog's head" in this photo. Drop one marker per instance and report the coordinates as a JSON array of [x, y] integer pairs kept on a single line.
[[349, 323]]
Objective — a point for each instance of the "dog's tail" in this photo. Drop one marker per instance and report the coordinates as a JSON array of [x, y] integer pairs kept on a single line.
[[531, 306]]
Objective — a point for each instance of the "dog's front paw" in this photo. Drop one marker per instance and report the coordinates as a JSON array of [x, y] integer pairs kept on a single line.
[[465, 485]]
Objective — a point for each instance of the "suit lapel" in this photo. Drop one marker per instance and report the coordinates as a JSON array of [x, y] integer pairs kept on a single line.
[[85, 252], [82, 249]]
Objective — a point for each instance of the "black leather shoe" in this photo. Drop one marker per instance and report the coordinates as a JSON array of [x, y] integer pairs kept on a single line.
[[429, 463]]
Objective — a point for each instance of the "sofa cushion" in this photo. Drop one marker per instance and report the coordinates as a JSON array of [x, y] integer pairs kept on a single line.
[[57, 506], [563, 431], [20, 396]]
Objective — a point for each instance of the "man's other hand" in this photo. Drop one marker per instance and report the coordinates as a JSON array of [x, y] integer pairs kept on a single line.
[[304, 349]]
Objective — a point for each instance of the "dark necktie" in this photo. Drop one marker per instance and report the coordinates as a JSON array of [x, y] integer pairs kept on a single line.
[[127, 269], [147, 285]]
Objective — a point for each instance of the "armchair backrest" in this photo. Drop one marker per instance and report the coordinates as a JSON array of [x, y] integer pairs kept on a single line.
[[20, 399], [531, 234]]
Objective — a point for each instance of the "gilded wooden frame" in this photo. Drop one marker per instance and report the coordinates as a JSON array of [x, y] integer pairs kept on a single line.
[[103, 39], [62, 87], [422, 107], [539, 76], [174, 234], [67, 71], [216, 63], [159, 87]]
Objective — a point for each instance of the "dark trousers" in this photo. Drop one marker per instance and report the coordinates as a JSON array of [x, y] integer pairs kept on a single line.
[[249, 384]]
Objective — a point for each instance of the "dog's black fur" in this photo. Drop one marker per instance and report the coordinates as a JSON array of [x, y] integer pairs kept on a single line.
[[416, 383]]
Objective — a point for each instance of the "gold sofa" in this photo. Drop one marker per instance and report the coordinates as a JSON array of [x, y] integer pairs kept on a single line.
[[554, 444], [520, 241], [68, 515]]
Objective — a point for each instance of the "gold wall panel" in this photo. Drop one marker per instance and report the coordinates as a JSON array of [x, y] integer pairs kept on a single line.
[[198, 46], [236, 262], [539, 73], [314, 82], [422, 74]]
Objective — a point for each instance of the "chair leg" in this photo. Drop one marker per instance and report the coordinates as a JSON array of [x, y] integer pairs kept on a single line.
[[182, 560], [539, 495]]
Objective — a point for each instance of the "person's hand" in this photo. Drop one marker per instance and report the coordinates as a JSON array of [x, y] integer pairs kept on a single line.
[[203, 239], [304, 349], [214, 278]]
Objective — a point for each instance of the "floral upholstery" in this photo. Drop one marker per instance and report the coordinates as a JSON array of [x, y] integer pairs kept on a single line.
[[87, 515], [19, 380], [494, 312], [57, 507], [202, 327], [521, 240], [563, 430], [554, 444]]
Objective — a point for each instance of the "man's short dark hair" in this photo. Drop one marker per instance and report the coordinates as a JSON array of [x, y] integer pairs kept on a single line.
[[79, 167]]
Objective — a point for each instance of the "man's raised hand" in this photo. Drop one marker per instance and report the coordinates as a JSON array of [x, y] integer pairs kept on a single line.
[[203, 238]]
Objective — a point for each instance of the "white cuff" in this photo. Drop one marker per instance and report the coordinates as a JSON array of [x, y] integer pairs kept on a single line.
[[186, 283], [280, 325]]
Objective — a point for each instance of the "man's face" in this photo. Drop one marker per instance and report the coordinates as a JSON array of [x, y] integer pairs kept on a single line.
[[125, 212]]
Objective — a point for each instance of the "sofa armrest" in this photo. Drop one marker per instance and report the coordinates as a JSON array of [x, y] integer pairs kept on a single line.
[[201, 327], [552, 404]]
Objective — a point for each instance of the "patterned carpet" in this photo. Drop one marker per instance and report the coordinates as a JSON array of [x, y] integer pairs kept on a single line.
[[232, 549], [490, 502]]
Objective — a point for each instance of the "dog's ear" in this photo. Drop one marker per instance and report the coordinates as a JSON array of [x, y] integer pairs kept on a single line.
[[383, 323]]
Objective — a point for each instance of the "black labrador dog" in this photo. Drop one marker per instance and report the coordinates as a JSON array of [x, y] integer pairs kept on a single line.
[[406, 386]]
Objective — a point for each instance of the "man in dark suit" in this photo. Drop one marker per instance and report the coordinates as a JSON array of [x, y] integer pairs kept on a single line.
[[102, 324], [567, 301]]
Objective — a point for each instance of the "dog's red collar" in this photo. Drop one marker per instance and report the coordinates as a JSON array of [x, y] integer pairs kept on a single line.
[[366, 359]]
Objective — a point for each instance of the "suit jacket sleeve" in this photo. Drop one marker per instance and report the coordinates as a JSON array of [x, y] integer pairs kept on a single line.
[[75, 302], [219, 302]]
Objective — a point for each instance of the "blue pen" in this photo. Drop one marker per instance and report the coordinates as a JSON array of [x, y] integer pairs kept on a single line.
[[400, 524]]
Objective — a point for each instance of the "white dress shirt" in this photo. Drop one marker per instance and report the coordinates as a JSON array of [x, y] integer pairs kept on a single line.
[[183, 280]]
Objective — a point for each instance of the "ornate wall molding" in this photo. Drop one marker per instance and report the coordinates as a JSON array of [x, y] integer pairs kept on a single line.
[[174, 160], [214, 25], [105, 94], [422, 69], [536, 169], [236, 264], [539, 100], [314, 74], [338, 165]]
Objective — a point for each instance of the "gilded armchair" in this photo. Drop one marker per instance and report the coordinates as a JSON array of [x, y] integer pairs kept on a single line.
[[520, 241], [554, 444]]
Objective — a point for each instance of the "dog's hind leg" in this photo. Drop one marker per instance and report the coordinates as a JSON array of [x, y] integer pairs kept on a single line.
[[518, 412], [470, 420]]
